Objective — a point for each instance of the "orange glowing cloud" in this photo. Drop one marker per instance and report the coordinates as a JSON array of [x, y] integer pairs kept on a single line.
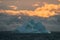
[[59, 0], [45, 11], [13, 7], [36, 4]]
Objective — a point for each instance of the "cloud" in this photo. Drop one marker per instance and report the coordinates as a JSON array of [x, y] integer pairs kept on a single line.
[[23, 4], [52, 23], [59, 0], [36, 4], [46, 11], [13, 7], [44, 8], [9, 22]]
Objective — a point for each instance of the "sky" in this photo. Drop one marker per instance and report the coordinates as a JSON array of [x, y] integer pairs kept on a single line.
[[25, 4], [40, 8]]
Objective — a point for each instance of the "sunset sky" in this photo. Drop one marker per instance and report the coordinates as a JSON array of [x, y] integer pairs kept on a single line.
[[40, 8]]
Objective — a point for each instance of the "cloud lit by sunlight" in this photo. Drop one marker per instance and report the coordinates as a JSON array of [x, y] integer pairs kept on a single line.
[[59, 0], [45, 11], [36, 4], [13, 7]]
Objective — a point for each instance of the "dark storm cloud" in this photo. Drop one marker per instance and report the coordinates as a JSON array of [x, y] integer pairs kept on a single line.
[[52, 23], [8, 22]]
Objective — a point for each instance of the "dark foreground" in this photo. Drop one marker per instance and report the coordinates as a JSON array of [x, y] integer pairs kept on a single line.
[[29, 36]]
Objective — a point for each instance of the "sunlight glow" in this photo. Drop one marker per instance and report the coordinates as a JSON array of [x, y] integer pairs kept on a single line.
[[45, 11]]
